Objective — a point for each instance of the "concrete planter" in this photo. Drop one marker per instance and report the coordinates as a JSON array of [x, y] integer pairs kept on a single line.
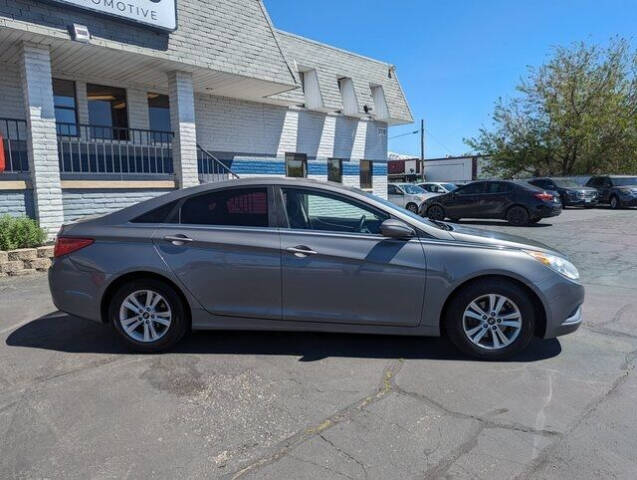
[[25, 261]]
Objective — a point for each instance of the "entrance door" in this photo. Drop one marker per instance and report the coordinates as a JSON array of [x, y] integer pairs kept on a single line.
[[338, 268], [224, 251]]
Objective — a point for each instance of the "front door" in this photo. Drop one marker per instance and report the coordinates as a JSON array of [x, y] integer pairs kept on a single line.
[[465, 201], [337, 268], [225, 253], [395, 195]]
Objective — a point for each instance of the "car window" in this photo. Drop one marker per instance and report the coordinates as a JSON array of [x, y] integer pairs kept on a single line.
[[472, 188], [241, 207], [413, 189], [593, 182], [623, 181], [429, 188], [312, 210], [168, 213], [498, 187], [606, 183], [392, 190]]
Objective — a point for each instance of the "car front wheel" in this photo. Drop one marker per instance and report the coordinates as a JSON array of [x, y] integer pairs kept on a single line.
[[148, 315], [491, 319], [412, 207], [436, 212]]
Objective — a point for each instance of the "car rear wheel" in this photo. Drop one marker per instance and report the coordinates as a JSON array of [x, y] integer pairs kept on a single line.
[[412, 207], [491, 320], [517, 216], [614, 202], [436, 212], [148, 315]]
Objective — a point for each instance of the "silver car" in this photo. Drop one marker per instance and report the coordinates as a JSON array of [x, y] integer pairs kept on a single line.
[[283, 254], [407, 195]]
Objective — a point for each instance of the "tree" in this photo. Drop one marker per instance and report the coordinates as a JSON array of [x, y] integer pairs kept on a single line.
[[577, 114]]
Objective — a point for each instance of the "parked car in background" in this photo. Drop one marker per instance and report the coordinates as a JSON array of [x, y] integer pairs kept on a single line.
[[407, 195], [438, 187], [616, 190], [571, 193], [517, 202], [296, 254]]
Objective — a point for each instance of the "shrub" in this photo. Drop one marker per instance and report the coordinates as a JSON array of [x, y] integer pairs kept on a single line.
[[20, 232]]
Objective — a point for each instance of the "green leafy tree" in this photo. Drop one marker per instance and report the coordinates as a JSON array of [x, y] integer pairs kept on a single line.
[[577, 114]]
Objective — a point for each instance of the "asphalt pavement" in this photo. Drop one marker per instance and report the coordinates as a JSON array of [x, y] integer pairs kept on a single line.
[[75, 405]]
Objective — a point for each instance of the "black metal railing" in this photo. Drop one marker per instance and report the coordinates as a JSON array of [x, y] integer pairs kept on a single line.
[[14, 141], [94, 149], [211, 169]]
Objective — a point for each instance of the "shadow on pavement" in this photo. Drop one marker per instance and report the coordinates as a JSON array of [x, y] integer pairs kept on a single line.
[[64, 333]]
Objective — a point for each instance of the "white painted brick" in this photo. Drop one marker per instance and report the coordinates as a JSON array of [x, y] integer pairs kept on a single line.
[[182, 119]]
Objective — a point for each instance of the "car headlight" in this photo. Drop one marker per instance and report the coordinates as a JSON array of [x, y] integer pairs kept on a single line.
[[555, 263]]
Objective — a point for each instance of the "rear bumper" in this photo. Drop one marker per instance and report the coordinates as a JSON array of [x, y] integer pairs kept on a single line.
[[546, 210]]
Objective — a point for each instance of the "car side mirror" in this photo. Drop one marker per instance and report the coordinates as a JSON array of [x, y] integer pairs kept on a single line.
[[393, 228]]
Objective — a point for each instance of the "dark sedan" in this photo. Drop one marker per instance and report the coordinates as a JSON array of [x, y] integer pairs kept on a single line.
[[517, 202], [618, 191], [571, 193]]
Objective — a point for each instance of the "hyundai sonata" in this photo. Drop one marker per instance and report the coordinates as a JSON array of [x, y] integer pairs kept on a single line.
[[284, 254]]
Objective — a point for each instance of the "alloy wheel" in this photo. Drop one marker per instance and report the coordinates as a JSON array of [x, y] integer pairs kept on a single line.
[[412, 208], [492, 321], [145, 316], [436, 213]]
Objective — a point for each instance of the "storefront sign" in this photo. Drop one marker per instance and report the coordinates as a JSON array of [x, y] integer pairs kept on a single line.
[[155, 13]]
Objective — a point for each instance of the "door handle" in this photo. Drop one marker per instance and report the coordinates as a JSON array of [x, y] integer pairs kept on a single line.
[[178, 240], [301, 251]]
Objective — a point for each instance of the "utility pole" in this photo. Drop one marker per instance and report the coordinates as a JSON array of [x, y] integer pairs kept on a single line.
[[422, 148]]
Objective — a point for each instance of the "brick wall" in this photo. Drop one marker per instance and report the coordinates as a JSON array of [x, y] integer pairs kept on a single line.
[[17, 203], [79, 203]]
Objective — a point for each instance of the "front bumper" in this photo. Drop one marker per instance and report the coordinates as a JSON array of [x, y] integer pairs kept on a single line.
[[581, 202], [563, 301]]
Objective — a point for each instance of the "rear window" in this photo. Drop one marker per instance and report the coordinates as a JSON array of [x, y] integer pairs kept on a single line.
[[167, 213], [241, 207]]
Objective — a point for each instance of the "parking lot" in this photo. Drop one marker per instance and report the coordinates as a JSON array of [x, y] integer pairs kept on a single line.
[[74, 404]]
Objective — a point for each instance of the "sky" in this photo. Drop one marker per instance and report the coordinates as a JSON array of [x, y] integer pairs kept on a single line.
[[454, 58]]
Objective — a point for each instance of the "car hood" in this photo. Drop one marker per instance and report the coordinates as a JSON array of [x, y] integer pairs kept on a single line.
[[498, 239]]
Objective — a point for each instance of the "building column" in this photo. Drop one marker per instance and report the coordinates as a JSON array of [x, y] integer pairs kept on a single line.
[[182, 120], [42, 146]]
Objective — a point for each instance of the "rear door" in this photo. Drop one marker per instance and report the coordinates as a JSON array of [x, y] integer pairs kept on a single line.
[[496, 199], [338, 268], [225, 251], [465, 201]]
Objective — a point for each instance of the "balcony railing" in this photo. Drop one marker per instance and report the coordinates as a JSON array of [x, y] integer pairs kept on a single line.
[[93, 149], [14, 141], [211, 169]]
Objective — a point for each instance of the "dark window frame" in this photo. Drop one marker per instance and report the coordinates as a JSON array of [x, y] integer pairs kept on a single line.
[[118, 132], [296, 157], [362, 175], [66, 131], [340, 170]]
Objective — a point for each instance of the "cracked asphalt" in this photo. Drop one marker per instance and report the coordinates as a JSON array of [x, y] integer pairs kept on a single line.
[[75, 405]]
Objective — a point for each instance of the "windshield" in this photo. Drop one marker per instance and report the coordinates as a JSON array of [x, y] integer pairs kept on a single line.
[[566, 182], [412, 189], [622, 181], [450, 187], [404, 211]]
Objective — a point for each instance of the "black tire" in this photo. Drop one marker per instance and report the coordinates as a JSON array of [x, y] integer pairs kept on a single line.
[[614, 202], [454, 219], [171, 300], [463, 298], [517, 216], [412, 207], [535, 220], [436, 212]]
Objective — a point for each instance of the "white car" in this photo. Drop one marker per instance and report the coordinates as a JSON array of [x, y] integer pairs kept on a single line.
[[407, 195], [439, 188]]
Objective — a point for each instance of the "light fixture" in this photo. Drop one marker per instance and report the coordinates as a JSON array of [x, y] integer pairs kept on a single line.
[[80, 33]]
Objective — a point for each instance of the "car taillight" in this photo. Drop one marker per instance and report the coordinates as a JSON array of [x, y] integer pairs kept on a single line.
[[66, 245], [547, 197]]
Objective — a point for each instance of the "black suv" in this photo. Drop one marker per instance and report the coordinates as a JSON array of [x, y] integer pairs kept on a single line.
[[571, 193], [616, 190], [518, 202]]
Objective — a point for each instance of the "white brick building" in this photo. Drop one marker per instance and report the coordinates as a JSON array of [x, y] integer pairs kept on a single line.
[[134, 111]]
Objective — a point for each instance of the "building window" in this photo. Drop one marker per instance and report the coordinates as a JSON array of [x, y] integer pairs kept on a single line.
[[295, 165], [107, 112], [335, 170], [159, 116], [65, 106], [366, 174]]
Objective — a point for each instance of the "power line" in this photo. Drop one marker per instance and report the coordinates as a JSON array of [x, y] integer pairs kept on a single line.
[[405, 134], [439, 142]]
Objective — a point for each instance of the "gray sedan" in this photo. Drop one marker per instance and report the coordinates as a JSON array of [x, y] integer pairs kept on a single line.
[[283, 254]]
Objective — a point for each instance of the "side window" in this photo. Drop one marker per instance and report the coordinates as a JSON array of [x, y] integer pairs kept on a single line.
[[168, 213], [593, 182], [607, 182], [498, 187], [391, 189], [472, 188], [312, 210], [429, 188], [539, 183], [240, 207]]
